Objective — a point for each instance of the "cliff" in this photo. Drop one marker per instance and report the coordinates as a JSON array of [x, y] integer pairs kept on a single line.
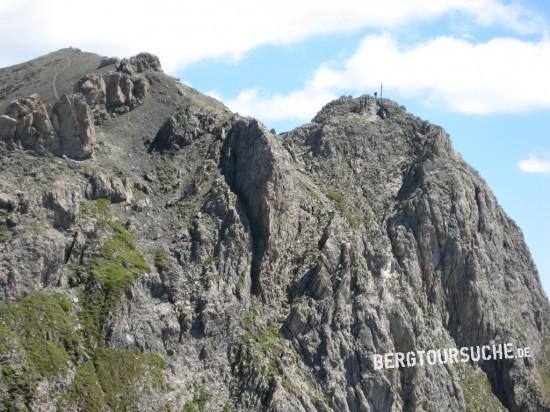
[[161, 253]]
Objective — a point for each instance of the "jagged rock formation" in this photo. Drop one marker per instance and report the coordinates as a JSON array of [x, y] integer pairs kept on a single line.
[[140, 63], [119, 91], [73, 121], [200, 262], [93, 88], [114, 189], [69, 130], [185, 125], [64, 202], [28, 123]]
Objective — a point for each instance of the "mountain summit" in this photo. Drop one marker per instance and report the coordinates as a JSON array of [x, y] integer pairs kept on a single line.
[[161, 253]]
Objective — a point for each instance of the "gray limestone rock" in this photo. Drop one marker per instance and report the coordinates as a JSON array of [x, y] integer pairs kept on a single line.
[[64, 202], [34, 130], [114, 92], [31, 261], [108, 61], [112, 188], [93, 88], [124, 91], [7, 202], [139, 63], [73, 121], [258, 271], [8, 126], [184, 126], [145, 61], [68, 130]]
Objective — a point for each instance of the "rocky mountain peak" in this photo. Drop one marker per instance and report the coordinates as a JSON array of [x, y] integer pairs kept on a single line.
[[159, 252]]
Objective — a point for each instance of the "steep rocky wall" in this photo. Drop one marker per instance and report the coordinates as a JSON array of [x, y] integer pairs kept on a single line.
[[199, 262]]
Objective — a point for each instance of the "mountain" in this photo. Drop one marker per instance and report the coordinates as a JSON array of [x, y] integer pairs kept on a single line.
[[161, 253]]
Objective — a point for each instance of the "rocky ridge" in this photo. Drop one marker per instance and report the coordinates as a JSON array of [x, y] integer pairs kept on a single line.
[[159, 252]]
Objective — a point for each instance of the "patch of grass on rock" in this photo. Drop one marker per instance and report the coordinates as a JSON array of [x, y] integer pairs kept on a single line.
[[355, 221], [266, 345], [40, 333], [543, 367], [43, 326], [160, 259], [478, 395], [117, 265], [113, 380]]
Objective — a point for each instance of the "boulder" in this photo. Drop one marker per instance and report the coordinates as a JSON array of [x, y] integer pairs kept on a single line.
[[113, 188], [8, 126], [7, 202], [92, 87], [108, 61], [182, 127], [70, 131], [138, 64], [33, 130], [124, 66], [119, 91], [145, 61], [64, 202], [141, 87], [124, 92], [74, 124]]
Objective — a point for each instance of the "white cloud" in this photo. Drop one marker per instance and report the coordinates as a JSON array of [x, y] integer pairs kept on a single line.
[[181, 32], [214, 94], [503, 75], [534, 164], [298, 105]]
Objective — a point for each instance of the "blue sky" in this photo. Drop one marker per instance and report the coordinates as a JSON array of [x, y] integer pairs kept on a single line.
[[479, 68]]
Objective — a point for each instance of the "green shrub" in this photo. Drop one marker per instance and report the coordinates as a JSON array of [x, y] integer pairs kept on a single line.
[[102, 206], [160, 259], [209, 261], [85, 391], [98, 209]]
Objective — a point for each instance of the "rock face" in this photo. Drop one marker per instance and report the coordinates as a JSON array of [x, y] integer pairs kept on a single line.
[[183, 126], [114, 189], [124, 92], [73, 121], [64, 202], [118, 91], [140, 63], [93, 88], [8, 127], [69, 131], [33, 128], [200, 262], [7, 202]]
